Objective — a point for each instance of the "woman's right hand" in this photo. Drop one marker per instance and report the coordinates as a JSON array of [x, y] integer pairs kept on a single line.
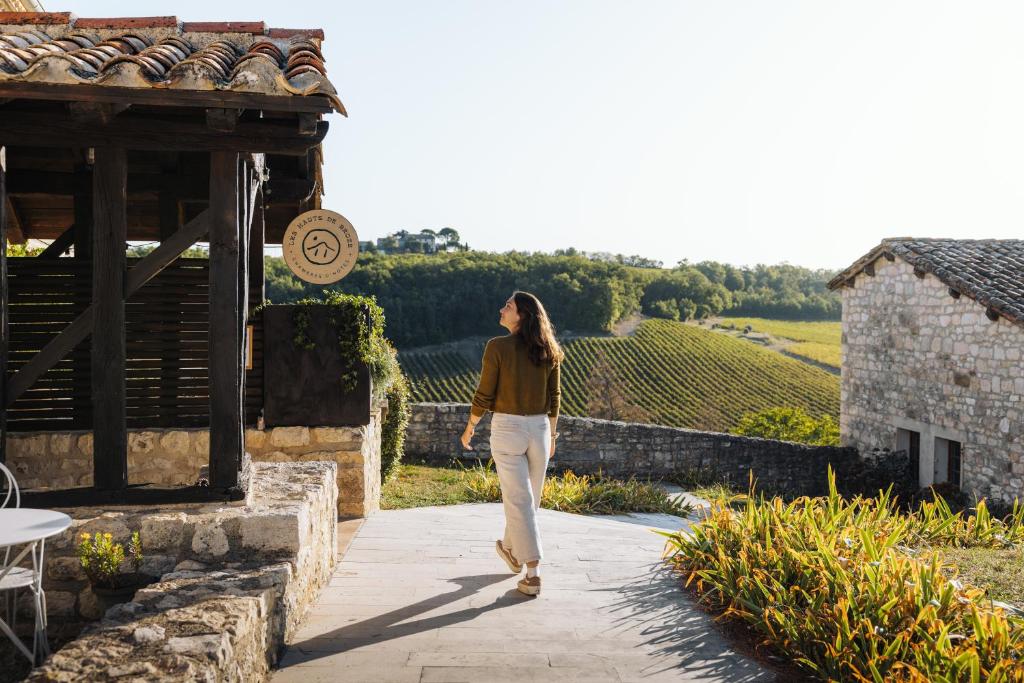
[[467, 435]]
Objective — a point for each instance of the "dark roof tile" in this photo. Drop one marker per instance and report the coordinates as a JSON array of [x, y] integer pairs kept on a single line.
[[989, 271]]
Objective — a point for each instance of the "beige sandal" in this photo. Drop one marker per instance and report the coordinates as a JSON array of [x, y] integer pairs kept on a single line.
[[529, 585], [514, 565]]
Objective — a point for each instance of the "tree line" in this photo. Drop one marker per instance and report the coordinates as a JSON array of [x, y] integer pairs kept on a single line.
[[444, 297]]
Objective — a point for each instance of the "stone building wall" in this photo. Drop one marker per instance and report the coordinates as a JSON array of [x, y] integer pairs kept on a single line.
[[173, 457], [916, 358], [619, 449]]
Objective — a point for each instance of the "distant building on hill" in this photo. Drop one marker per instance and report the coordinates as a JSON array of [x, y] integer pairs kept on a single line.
[[423, 242], [933, 359]]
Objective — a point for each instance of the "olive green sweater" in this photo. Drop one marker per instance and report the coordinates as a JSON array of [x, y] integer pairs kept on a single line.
[[511, 383]]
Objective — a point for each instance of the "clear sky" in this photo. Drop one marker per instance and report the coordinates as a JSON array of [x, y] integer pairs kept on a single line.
[[744, 132]]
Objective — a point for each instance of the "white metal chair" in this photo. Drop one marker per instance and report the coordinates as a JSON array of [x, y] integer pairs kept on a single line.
[[8, 482], [12, 577]]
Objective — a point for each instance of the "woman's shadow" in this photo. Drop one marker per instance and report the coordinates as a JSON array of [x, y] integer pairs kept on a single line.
[[394, 624]]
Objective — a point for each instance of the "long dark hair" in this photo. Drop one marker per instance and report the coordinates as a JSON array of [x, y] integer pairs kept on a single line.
[[536, 330]]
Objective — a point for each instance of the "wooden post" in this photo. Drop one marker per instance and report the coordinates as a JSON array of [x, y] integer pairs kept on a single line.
[[4, 338], [110, 233], [244, 196], [80, 355], [170, 220], [224, 331], [257, 238]]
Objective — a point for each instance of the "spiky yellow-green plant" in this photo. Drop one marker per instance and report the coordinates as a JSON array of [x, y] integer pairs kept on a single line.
[[826, 581]]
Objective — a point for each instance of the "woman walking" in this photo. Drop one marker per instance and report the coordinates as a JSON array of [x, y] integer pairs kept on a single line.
[[520, 382]]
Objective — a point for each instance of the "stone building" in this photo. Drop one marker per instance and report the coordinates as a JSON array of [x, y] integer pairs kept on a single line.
[[933, 344]]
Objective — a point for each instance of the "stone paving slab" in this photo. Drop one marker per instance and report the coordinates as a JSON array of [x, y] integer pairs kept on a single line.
[[420, 596]]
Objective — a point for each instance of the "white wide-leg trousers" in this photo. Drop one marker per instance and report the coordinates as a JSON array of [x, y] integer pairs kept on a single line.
[[521, 448]]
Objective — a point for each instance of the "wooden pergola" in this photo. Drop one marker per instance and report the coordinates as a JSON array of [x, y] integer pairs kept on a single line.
[[118, 130]]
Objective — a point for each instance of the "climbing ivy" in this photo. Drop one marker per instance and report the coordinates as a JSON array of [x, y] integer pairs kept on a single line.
[[358, 323]]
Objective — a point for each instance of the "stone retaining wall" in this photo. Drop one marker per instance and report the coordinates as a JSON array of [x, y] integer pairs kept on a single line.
[[173, 457], [238, 581], [618, 449]]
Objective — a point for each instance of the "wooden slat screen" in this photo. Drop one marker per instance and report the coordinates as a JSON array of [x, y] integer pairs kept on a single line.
[[166, 330]]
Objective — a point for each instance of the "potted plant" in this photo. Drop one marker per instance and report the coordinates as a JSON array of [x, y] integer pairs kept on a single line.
[[101, 559]]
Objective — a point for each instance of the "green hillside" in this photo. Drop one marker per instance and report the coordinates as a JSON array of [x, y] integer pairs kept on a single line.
[[682, 375], [819, 341]]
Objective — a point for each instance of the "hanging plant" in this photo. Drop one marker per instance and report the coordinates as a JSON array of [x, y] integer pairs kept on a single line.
[[358, 324]]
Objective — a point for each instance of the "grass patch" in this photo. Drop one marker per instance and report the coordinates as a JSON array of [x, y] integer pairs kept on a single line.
[[832, 584], [823, 353], [999, 571], [417, 485], [826, 332]]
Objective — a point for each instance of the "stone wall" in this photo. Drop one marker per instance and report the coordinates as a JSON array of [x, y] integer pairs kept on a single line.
[[619, 449], [236, 581], [916, 358], [173, 457]]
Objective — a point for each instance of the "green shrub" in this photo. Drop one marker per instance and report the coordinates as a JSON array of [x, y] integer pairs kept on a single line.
[[392, 438], [665, 308], [828, 583], [789, 424]]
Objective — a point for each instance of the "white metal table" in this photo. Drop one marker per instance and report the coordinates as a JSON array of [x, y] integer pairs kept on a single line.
[[30, 528]]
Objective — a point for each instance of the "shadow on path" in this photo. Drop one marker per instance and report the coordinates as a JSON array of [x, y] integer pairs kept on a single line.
[[393, 624], [683, 637]]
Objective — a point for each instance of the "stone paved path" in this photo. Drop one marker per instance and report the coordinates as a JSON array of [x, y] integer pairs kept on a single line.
[[420, 596]]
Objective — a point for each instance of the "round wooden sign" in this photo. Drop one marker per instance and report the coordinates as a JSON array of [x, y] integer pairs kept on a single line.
[[320, 246]]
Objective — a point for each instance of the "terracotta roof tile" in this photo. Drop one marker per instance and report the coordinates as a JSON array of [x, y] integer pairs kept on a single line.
[[989, 271], [27, 18], [317, 33], [158, 52], [126, 22], [256, 27]]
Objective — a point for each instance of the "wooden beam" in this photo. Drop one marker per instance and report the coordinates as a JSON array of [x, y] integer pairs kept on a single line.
[[920, 272], [307, 124], [15, 233], [954, 293], [169, 250], [60, 245], [185, 186], [223, 120], [109, 351], [869, 269], [166, 98], [169, 208], [889, 256], [95, 112], [83, 208], [81, 327], [288, 190], [4, 333], [992, 314], [224, 378], [55, 130]]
